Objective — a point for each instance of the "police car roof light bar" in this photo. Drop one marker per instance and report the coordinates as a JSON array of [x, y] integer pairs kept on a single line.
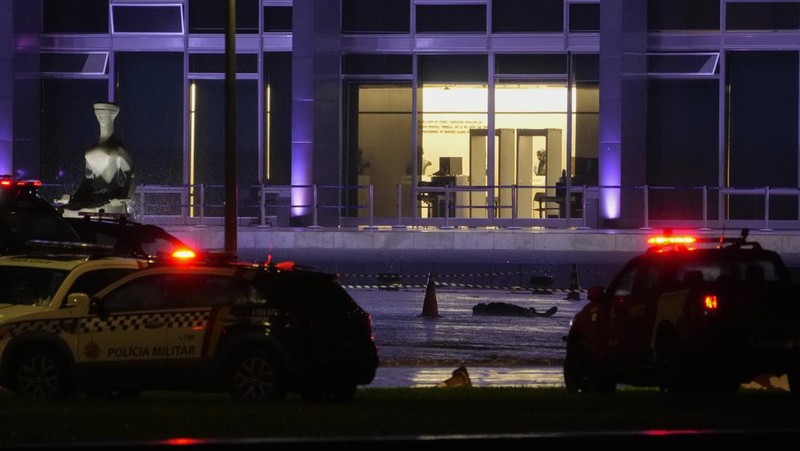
[[667, 240]]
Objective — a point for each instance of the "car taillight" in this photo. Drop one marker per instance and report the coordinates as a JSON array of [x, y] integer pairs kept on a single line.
[[285, 266], [183, 254], [710, 302]]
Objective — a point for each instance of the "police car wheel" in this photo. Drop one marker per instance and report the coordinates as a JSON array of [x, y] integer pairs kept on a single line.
[[672, 368], [579, 378], [256, 376], [40, 374]]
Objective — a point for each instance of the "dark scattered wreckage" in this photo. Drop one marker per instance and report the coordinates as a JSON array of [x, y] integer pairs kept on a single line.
[[506, 309], [459, 378]]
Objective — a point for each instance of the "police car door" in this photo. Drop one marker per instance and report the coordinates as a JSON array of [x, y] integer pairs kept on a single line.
[[198, 322], [629, 313], [123, 339]]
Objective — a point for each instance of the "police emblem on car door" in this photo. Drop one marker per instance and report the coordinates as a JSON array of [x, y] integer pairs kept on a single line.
[[126, 325], [126, 331]]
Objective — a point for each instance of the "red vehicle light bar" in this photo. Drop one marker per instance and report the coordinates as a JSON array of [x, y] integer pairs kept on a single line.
[[661, 240], [7, 182], [668, 241]]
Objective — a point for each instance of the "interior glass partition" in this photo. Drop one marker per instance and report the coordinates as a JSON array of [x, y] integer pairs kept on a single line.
[[379, 149], [449, 115], [531, 122], [452, 102]]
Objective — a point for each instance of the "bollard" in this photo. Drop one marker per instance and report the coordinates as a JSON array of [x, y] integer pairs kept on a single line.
[[430, 308], [574, 293]]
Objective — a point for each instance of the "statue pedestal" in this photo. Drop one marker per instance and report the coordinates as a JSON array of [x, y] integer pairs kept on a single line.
[[115, 207]]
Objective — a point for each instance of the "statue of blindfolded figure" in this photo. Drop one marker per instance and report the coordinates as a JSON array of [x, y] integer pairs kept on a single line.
[[109, 167]]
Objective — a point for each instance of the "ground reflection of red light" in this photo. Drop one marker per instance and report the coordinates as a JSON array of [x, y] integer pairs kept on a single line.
[[670, 431], [183, 441]]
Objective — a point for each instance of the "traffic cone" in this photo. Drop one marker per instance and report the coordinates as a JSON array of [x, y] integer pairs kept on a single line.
[[430, 309], [574, 293]]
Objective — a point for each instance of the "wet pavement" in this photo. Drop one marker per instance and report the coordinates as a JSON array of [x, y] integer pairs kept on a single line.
[[419, 350], [480, 376]]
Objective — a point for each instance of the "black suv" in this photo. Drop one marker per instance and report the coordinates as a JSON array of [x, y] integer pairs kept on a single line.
[[257, 331], [689, 315], [25, 215], [124, 236]]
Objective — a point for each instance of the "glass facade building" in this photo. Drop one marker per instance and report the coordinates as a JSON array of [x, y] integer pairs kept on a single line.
[[617, 113]]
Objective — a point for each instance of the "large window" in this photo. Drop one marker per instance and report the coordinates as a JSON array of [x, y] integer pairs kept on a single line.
[[532, 151], [208, 144], [763, 16], [531, 122], [584, 17], [211, 16], [526, 16], [762, 120], [370, 16], [452, 100], [277, 152], [150, 97], [451, 18], [682, 162], [586, 114], [74, 16], [683, 15], [69, 129], [147, 18], [278, 18], [379, 146]]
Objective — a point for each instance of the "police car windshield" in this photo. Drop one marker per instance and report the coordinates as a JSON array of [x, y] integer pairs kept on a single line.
[[755, 270], [21, 285], [39, 226]]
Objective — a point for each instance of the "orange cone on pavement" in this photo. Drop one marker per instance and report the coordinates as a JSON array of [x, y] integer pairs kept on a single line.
[[430, 308]]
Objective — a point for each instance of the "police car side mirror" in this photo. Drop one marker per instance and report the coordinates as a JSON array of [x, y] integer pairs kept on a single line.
[[595, 294], [77, 300], [96, 308]]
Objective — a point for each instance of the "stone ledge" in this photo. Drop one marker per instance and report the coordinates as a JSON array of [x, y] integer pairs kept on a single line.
[[213, 237]]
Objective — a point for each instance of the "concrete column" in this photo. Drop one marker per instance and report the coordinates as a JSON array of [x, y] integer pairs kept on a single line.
[[316, 154], [623, 110], [6, 85], [20, 85]]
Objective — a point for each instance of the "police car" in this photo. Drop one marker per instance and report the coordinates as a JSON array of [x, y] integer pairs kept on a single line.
[[692, 314], [257, 331], [37, 322]]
